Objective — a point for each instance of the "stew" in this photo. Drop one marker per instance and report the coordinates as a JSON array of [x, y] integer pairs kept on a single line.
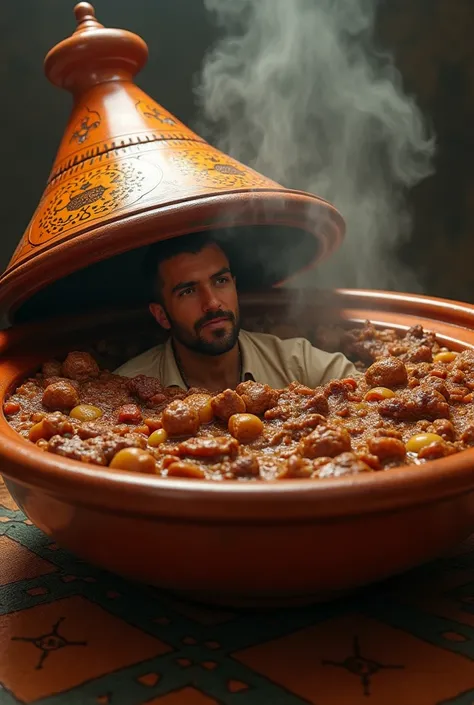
[[412, 402]]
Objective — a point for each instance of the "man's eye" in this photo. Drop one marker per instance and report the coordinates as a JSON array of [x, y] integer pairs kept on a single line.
[[185, 292], [222, 280]]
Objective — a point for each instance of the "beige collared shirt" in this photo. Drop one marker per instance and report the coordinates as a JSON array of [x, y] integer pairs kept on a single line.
[[265, 358]]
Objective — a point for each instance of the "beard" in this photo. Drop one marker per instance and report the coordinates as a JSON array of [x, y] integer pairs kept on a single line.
[[222, 339]]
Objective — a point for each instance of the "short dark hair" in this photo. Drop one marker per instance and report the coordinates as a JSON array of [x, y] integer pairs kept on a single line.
[[164, 250]]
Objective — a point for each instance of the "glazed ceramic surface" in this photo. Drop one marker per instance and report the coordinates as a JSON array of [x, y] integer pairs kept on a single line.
[[128, 173], [234, 543]]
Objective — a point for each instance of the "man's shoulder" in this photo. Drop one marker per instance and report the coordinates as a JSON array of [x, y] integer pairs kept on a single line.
[[143, 364]]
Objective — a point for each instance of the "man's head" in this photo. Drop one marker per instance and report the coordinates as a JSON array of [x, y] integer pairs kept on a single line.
[[194, 293]]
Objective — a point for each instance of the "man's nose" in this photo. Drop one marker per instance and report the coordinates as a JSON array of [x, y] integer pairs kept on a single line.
[[210, 302]]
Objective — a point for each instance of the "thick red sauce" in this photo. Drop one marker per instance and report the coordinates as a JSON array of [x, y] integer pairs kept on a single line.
[[412, 402]]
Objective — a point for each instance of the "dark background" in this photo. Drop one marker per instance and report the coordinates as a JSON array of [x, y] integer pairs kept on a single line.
[[433, 43]]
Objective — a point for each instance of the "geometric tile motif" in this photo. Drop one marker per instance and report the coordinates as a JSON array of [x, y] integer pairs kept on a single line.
[[53, 647], [71, 633], [345, 659]]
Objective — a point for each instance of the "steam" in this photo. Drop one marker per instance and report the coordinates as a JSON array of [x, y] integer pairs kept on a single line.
[[298, 90]]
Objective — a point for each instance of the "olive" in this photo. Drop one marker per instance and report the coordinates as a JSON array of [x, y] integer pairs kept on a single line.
[[421, 440], [245, 427], [379, 393], [446, 356], [157, 437], [86, 412], [134, 459], [202, 404]]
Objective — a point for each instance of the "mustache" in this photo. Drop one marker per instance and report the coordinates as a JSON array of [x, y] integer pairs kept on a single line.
[[212, 316]]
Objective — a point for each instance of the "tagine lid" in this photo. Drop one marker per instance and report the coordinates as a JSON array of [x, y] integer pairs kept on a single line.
[[128, 173]]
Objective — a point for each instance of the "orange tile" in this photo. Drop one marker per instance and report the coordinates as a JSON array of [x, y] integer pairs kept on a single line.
[[185, 696], [54, 647], [346, 658], [18, 563]]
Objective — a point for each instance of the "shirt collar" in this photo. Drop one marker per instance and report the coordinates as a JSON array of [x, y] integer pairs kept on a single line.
[[171, 376]]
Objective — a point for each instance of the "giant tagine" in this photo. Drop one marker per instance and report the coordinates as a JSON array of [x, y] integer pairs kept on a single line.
[[127, 174]]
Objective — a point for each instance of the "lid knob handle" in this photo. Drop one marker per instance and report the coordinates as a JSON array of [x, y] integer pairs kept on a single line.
[[85, 17]]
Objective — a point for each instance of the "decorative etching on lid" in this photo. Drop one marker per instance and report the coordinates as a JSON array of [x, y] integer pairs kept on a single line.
[[88, 122], [153, 112], [215, 170], [90, 195]]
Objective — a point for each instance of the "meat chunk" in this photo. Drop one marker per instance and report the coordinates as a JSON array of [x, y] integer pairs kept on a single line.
[[317, 403], [245, 466], [144, 387], [433, 382], [325, 440], [60, 396], [415, 404], [345, 464], [444, 428], [423, 353], [386, 448], [298, 468], [227, 404], [388, 372], [438, 449], [130, 414], [257, 397], [80, 366], [180, 419], [208, 447], [98, 450], [51, 368], [465, 362], [467, 436]]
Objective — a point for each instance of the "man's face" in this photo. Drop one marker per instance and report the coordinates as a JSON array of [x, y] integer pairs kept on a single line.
[[199, 301]]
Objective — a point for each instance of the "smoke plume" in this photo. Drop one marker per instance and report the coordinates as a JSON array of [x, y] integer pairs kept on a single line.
[[300, 91]]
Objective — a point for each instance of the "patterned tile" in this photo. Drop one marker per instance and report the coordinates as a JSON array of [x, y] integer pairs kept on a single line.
[[18, 563], [346, 659], [54, 647]]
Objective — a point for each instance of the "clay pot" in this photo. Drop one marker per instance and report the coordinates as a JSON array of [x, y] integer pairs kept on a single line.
[[260, 544], [127, 174]]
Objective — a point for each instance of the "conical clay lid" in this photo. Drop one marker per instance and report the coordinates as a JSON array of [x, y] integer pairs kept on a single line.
[[128, 173]]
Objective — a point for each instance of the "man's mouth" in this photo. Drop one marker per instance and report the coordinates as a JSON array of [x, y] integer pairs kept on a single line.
[[215, 322]]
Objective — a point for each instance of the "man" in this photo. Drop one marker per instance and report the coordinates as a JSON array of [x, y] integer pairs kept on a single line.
[[195, 299]]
